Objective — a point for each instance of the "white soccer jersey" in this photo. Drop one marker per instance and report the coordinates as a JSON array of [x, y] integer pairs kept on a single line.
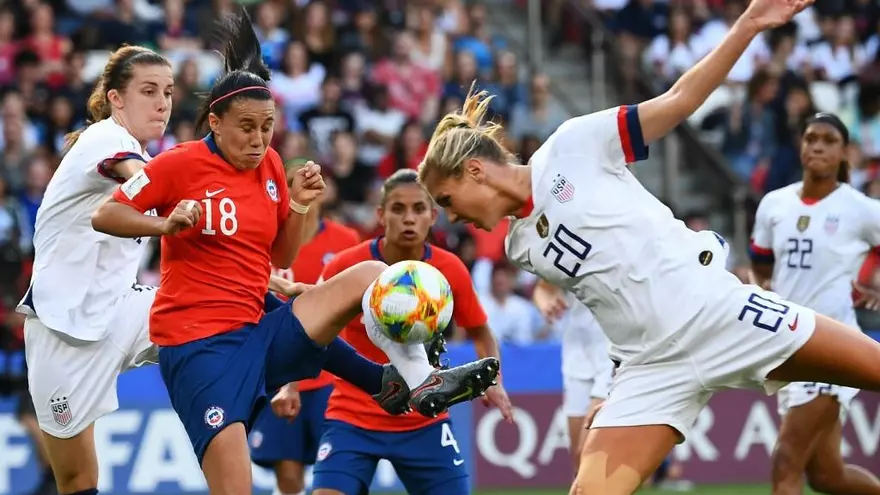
[[593, 230], [79, 274], [584, 347], [816, 249]]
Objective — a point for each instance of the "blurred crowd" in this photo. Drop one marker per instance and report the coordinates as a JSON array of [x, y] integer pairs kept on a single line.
[[358, 86]]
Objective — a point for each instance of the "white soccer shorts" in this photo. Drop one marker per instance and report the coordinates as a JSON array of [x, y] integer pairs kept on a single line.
[[741, 334], [799, 393], [577, 393], [73, 382]]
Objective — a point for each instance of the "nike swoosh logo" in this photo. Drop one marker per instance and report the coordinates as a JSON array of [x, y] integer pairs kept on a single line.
[[793, 325], [395, 389], [211, 194], [458, 462]]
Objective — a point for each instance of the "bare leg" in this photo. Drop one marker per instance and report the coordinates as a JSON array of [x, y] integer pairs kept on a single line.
[[801, 428], [834, 354], [827, 473], [291, 477], [227, 462], [74, 460], [616, 461]]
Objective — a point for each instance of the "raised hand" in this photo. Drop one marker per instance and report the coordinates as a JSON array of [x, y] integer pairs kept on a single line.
[[768, 14], [308, 184], [185, 215]]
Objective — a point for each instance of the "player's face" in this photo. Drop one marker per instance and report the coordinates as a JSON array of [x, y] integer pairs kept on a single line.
[[244, 132], [146, 101], [822, 150], [466, 199], [407, 214]]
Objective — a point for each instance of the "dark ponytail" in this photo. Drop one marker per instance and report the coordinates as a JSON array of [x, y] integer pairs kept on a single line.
[[245, 75]]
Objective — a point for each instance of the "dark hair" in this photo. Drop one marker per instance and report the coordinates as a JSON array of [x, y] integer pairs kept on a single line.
[[117, 74], [399, 178], [835, 122], [245, 75]]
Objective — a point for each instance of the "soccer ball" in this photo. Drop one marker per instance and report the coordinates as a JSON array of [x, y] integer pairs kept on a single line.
[[411, 301]]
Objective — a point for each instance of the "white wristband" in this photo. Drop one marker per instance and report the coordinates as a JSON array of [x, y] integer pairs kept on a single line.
[[298, 208]]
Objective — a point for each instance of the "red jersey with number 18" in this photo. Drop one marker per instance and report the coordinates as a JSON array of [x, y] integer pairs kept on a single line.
[[215, 274], [351, 404], [330, 239]]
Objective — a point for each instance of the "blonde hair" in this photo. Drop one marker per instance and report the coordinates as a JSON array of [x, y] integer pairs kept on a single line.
[[462, 135]]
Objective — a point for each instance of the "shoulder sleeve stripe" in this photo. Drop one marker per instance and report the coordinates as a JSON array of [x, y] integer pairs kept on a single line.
[[104, 166], [760, 254], [630, 130]]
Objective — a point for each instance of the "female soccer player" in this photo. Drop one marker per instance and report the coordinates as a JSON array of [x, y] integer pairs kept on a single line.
[[809, 240], [423, 451], [680, 325], [86, 321], [586, 367], [225, 212], [277, 442]]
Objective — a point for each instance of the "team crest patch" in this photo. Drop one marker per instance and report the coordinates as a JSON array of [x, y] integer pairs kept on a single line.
[[323, 451], [61, 411], [543, 226], [562, 189], [706, 258], [803, 223], [327, 257], [256, 439], [831, 224], [272, 190], [215, 417]]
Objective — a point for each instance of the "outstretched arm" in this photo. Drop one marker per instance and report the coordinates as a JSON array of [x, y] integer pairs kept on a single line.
[[660, 115]]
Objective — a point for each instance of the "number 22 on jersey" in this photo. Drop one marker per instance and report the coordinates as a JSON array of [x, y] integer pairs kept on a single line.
[[227, 221]]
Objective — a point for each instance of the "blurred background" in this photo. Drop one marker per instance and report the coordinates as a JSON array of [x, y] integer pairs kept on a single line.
[[360, 84]]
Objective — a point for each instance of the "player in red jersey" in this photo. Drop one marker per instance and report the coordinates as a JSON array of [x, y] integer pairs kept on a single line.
[[276, 442], [219, 351], [357, 434]]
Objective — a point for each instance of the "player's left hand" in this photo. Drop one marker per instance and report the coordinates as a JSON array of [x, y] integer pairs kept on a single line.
[[497, 396], [767, 14], [868, 297], [287, 403], [308, 184]]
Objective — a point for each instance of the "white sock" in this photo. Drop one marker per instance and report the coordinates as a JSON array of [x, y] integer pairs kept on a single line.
[[411, 360]]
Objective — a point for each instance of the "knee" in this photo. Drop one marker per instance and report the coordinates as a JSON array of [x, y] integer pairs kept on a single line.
[[786, 460], [368, 271], [289, 482], [823, 480]]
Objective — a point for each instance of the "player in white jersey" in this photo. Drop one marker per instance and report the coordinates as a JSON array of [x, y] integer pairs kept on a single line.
[[86, 322], [586, 367], [679, 324], [809, 241]]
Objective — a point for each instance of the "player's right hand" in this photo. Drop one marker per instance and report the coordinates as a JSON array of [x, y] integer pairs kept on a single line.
[[185, 215], [551, 303], [287, 403]]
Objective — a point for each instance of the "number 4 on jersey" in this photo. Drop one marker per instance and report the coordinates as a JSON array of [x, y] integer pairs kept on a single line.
[[228, 221]]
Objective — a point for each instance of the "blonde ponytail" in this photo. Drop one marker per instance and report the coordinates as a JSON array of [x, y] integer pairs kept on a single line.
[[462, 135]]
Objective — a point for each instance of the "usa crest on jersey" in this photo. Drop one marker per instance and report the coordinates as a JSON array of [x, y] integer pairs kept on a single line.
[[562, 189], [832, 222], [61, 411]]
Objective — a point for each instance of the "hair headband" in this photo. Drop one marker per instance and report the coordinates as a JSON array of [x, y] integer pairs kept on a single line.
[[833, 121], [240, 90]]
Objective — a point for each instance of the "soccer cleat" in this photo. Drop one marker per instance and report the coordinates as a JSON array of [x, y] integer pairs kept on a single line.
[[445, 388], [394, 397], [435, 348]]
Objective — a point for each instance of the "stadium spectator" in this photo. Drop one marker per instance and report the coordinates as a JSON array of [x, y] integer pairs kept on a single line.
[[538, 116], [512, 318], [412, 89]]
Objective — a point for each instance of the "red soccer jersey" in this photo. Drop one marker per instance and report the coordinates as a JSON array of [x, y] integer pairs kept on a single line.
[[352, 405], [215, 274], [330, 239]]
